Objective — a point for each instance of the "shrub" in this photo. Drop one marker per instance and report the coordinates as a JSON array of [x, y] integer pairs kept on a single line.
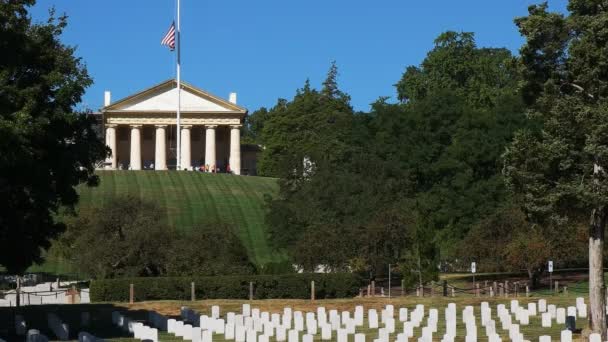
[[295, 286]]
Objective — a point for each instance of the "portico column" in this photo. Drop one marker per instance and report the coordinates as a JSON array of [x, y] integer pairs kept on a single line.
[[235, 149], [111, 143], [210, 145], [135, 147], [160, 150], [185, 150]]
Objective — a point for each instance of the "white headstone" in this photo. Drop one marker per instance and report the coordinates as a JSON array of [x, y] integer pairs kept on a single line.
[[293, 336], [372, 318], [207, 336], [326, 332], [560, 316], [197, 334], [215, 311], [402, 314], [342, 335], [546, 320], [552, 309], [251, 336], [246, 310], [240, 333], [281, 334]]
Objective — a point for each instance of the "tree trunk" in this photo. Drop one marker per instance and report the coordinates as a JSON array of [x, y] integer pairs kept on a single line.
[[597, 289], [533, 278]]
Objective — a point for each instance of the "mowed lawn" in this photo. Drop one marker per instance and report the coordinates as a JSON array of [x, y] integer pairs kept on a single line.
[[190, 200]]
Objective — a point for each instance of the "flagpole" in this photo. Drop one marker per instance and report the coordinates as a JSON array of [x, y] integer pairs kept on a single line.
[[179, 92]]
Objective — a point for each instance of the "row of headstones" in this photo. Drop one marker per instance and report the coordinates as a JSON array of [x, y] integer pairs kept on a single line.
[[243, 327], [254, 319], [521, 314], [139, 330], [242, 334], [246, 330]]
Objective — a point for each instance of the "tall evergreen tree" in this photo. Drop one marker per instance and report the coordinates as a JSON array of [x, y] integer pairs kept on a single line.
[[560, 169]]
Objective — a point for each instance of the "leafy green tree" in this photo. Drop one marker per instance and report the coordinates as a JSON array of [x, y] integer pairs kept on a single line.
[[560, 169], [461, 108], [45, 148], [479, 75], [434, 159], [137, 243], [212, 249], [529, 250], [254, 126], [313, 126], [125, 238]]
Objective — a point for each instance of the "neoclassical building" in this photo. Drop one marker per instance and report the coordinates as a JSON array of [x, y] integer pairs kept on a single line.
[[141, 130]]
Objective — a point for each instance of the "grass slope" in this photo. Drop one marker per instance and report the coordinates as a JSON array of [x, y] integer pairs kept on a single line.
[[190, 200]]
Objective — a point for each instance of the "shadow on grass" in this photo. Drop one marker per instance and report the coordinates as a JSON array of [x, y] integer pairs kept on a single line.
[[35, 316]]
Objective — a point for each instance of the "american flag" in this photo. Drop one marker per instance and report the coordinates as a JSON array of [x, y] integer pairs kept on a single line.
[[169, 39]]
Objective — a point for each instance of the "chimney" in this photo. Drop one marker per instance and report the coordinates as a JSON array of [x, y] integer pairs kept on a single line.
[[107, 98], [232, 98]]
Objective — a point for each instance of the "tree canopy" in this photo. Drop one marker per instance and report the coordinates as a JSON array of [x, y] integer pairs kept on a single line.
[[46, 149], [137, 242], [405, 181], [558, 169]]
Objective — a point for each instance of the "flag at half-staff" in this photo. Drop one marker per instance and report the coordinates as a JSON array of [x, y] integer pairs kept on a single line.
[[172, 40], [169, 38]]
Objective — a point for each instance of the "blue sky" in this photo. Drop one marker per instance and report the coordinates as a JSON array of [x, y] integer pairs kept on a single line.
[[266, 49]]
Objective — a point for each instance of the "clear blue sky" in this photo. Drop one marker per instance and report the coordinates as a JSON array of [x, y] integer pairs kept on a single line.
[[265, 49]]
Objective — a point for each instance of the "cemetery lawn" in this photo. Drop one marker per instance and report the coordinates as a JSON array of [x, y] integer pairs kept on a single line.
[[190, 200], [101, 326]]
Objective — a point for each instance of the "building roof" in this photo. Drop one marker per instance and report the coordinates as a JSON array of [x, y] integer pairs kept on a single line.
[[162, 98]]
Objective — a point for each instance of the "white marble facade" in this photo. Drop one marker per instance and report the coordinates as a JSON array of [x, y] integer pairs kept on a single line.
[[141, 129]]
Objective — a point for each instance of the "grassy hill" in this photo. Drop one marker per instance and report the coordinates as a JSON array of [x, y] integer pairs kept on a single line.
[[189, 200]]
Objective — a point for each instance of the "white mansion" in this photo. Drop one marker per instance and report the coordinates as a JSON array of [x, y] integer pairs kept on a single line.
[[141, 130]]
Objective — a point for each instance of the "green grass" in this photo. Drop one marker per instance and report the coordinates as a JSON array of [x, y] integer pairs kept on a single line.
[[190, 200]]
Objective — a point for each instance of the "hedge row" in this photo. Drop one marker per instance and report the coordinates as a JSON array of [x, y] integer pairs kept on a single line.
[[296, 286]]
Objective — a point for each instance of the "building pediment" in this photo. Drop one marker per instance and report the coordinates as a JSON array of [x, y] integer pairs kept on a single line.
[[162, 98]]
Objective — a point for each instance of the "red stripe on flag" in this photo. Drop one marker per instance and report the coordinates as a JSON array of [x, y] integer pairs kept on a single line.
[[169, 38]]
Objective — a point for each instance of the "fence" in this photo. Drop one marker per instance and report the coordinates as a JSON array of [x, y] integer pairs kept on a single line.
[[477, 289]]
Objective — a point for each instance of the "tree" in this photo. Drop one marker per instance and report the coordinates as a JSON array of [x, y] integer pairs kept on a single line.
[[134, 240], [312, 126], [559, 169], [137, 243], [460, 109], [254, 126], [45, 148], [434, 158], [481, 76], [507, 240], [213, 249], [529, 250]]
